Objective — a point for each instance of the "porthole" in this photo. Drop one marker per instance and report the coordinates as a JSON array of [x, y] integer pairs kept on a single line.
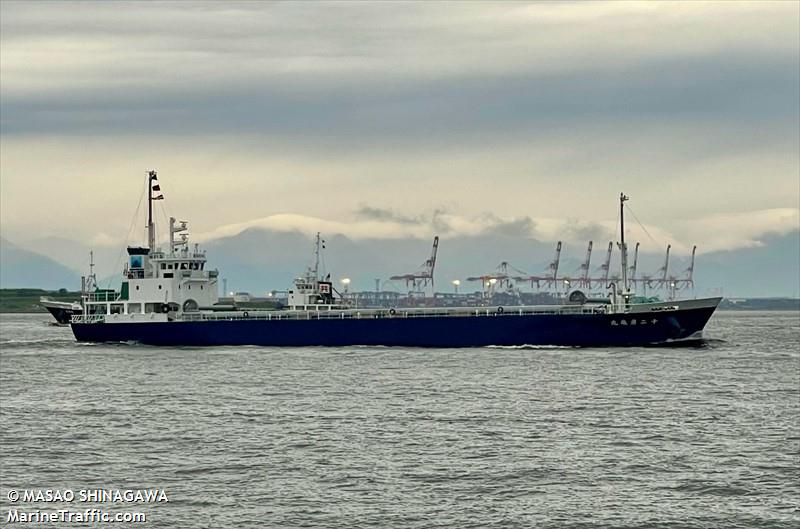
[[159, 287]]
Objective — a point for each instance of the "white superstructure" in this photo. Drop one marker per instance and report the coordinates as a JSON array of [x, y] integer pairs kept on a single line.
[[158, 284], [310, 292]]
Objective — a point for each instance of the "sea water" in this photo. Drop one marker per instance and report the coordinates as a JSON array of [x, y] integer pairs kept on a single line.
[[406, 438]]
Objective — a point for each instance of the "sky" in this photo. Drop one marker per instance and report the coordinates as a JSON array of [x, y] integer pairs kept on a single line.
[[390, 120]]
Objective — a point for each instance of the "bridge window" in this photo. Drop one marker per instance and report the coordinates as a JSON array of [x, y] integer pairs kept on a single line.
[[163, 266]]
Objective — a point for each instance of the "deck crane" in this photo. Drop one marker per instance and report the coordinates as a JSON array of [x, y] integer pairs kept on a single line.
[[420, 279]]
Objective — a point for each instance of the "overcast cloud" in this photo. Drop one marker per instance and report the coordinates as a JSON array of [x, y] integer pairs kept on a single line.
[[403, 118]]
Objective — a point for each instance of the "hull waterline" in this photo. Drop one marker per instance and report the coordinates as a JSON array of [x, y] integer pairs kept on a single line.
[[581, 330]]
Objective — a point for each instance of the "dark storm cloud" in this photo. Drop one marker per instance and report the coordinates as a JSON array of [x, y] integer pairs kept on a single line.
[[210, 70], [522, 227], [739, 94], [435, 219], [385, 215], [589, 231], [542, 109]]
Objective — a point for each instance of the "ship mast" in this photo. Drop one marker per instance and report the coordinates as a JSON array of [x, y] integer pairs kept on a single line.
[[89, 284], [622, 247], [151, 227], [316, 259]]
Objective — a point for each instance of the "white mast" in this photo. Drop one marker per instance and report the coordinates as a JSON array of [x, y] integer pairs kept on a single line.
[[623, 248], [316, 258], [151, 225]]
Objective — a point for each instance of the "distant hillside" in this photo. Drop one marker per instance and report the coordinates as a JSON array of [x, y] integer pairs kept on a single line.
[[760, 304], [20, 268], [27, 299], [258, 260], [771, 270], [75, 255]]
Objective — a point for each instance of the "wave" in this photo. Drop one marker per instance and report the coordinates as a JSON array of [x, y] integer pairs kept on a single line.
[[48, 341], [529, 346]]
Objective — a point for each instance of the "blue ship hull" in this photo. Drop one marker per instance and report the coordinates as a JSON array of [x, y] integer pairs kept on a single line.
[[472, 331]]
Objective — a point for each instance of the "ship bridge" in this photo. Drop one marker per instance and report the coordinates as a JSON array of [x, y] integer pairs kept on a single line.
[[159, 282]]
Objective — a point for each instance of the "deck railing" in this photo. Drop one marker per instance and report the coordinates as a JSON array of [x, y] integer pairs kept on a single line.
[[390, 313], [104, 296], [88, 318], [367, 314]]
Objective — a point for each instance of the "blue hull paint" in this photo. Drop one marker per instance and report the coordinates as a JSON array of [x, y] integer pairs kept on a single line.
[[504, 330]]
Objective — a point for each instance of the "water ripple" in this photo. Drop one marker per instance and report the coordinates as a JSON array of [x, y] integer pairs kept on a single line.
[[705, 437]]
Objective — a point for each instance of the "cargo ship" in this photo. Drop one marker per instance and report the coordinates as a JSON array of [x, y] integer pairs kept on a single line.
[[62, 311], [169, 298]]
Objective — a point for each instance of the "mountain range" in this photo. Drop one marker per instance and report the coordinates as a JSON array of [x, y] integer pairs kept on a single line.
[[21, 267], [258, 260]]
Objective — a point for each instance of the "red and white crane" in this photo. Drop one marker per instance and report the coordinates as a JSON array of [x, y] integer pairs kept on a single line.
[[420, 279], [550, 279]]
